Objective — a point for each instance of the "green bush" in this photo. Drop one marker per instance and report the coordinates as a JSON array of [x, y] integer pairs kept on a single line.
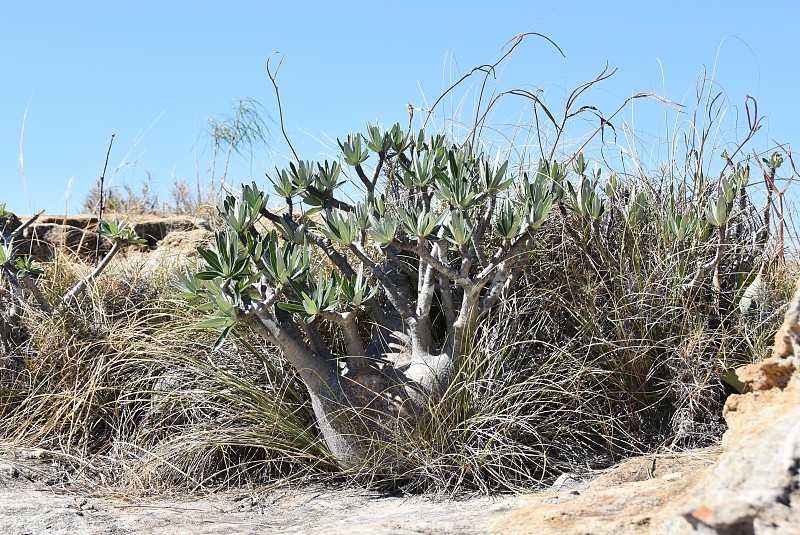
[[424, 311], [645, 292]]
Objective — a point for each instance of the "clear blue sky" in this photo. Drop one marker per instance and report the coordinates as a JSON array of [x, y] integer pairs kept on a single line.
[[153, 72]]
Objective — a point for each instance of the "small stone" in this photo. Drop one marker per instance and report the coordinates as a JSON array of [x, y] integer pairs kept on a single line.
[[34, 454], [9, 471]]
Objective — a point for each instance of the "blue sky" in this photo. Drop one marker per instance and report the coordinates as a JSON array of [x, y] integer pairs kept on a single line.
[[153, 73]]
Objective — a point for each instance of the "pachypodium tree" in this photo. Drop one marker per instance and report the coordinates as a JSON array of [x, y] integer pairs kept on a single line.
[[371, 301], [377, 268]]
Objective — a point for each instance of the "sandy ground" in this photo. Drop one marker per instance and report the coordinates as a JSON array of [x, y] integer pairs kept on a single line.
[[38, 496], [34, 500]]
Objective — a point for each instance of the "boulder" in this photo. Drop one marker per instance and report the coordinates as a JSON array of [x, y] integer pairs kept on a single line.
[[155, 229], [787, 339], [40, 239], [755, 485], [176, 250], [750, 484]]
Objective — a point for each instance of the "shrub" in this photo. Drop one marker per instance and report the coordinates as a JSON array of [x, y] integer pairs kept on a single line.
[[647, 281]]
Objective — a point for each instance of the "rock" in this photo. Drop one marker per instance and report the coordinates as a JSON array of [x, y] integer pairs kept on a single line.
[[569, 481], [772, 373], [787, 339], [33, 454], [78, 234], [155, 230], [755, 486], [177, 250], [10, 223], [642, 495], [8, 471], [186, 240], [40, 239], [751, 487]]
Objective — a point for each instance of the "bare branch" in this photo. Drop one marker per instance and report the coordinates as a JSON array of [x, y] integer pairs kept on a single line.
[[102, 200], [25, 225], [425, 255], [475, 248], [445, 290], [329, 199], [273, 78], [363, 177], [401, 265], [353, 343], [81, 285], [489, 69], [400, 302], [377, 172], [316, 371], [31, 286]]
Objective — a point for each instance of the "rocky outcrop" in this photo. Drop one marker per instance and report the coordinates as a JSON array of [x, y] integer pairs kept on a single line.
[[787, 339], [755, 485], [78, 234], [748, 485]]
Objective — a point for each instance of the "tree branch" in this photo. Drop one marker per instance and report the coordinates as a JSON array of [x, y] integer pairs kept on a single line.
[[425, 255], [316, 371], [506, 274], [465, 320], [272, 78], [352, 338], [37, 294], [81, 286], [448, 306], [363, 177], [332, 202], [400, 302], [487, 219], [403, 266], [311, 332], [377, 172], [503, 253]]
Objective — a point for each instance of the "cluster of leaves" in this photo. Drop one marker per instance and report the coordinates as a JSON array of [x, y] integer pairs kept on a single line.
[[457, 203], [23, 266]]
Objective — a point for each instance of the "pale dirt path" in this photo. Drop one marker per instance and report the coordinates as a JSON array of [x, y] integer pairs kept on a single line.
[[32, 503], [645, 494]]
